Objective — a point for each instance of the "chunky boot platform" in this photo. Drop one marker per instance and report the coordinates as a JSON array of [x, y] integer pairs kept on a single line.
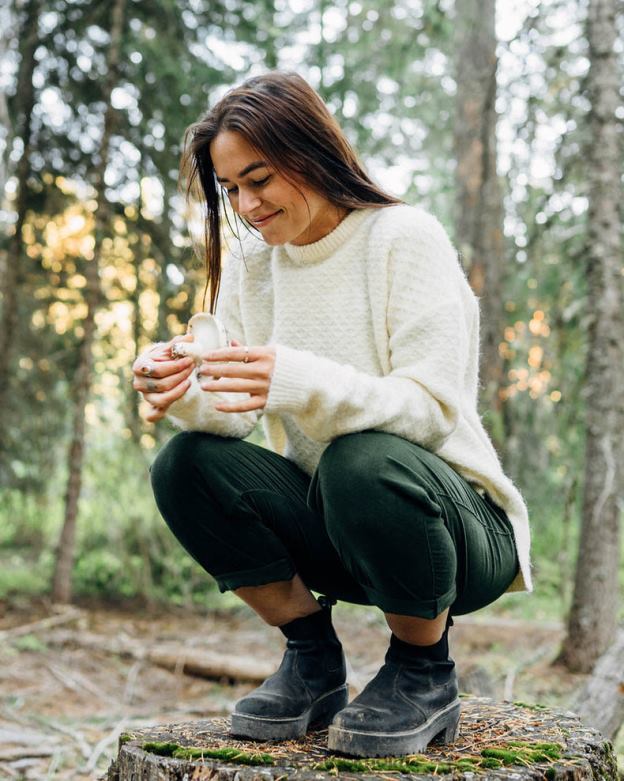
[[307, 690], [412, 699]]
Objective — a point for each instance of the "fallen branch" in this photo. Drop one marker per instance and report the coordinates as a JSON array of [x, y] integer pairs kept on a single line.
[[11, 754], [190, 661], [43, 624]]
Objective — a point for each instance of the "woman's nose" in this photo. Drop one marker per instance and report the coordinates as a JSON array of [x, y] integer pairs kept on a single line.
[[247, 201]]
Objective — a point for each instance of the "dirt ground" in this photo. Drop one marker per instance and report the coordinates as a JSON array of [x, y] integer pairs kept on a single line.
[[62, 705]]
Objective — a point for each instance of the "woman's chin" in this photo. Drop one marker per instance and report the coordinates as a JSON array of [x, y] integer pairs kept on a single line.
[[272, 240]]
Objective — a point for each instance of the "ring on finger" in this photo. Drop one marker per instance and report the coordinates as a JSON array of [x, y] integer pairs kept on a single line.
[[246, 358], [147, 369], [152, 386]]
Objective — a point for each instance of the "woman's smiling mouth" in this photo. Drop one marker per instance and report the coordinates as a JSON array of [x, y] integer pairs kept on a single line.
[[262, 221]]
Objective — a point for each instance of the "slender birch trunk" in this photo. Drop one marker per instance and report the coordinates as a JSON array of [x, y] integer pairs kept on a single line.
[[593, 617], [62, 586]]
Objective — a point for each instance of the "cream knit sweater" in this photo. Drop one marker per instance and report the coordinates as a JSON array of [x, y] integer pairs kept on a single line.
[[375, 327]]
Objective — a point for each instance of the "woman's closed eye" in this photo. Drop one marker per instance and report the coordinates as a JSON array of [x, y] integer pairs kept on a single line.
[[254, 183]]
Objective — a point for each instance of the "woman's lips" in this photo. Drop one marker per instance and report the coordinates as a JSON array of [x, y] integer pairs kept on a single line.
[[265, 220]]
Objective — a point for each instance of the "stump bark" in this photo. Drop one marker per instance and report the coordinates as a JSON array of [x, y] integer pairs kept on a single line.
[[497, 740]]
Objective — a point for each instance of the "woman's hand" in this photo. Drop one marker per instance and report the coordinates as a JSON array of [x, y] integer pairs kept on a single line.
[[249, 371], [161, 379]]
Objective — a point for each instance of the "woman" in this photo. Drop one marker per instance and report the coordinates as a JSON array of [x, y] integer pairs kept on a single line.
[[355, 339]]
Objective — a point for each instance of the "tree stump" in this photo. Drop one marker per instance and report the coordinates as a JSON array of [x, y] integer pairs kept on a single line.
[[497, 740]]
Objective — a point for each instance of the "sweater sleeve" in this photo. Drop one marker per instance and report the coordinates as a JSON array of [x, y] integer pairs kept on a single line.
[[428, 342], [195, 411]]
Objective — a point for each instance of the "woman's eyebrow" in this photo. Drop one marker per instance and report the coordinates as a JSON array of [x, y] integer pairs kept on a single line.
[[248, 169]]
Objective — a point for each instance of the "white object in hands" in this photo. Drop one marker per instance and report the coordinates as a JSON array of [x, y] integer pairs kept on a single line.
[[208, 334]]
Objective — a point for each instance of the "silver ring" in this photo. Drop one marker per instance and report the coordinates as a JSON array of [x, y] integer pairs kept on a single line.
[[152, 386], [246, 358], [147, 369]]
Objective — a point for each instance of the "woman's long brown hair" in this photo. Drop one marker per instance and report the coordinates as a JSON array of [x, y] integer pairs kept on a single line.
[[281, 116]]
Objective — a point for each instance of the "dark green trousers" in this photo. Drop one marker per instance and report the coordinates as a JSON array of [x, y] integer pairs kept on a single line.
[[382, 521]]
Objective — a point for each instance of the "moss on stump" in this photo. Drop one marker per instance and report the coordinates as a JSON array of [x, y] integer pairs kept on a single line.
[[497, 740]]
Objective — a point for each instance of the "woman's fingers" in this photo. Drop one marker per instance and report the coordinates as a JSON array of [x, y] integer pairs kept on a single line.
[[235, 369], [238, 369], [233, 385], [237, 352], [164, 400], [154, 414], [256, 402], [154, 384], [159, 366], [160, 378]]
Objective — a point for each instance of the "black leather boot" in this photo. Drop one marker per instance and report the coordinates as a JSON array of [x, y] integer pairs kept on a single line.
[[412, 699], [307, 690]]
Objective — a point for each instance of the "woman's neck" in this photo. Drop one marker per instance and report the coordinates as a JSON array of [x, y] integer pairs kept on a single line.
[[331, 220]]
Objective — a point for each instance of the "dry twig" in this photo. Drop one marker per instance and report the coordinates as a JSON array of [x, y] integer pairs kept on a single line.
[[43, 624]]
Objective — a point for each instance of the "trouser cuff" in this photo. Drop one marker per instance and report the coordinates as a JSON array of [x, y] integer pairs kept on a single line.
[[422, 608], [282, 569]]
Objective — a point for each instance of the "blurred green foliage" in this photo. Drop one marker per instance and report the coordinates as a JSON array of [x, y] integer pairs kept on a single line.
[[386, 71]]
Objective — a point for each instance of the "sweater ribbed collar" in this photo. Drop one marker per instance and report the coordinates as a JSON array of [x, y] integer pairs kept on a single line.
[[304, 254]]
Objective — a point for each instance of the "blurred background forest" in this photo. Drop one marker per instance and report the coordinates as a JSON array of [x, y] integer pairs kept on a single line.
[[503, 119], [487, 125]]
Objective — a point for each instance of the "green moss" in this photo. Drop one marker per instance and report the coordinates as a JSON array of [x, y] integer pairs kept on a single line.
[[226, 754], [519, 752], [163, 749], [540, 752], [412, 764], [513, 752], [126, 737], [491, 764], [176, 751], [530, 705], [504, 755]]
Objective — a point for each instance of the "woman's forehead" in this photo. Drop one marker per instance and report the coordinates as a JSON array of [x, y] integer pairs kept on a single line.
[[233, 156]]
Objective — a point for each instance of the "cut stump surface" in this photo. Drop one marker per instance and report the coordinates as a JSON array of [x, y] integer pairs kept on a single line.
[[497, 740]]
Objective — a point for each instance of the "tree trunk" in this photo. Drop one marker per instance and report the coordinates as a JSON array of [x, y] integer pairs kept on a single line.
[[479, 211], [25, 100], [135, 423], [592, 620], [7, 25], [600, 702], [496, 741], [61, 590]]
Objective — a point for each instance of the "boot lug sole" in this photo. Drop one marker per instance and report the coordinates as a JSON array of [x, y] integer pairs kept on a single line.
[[385, 744], [319, 714]]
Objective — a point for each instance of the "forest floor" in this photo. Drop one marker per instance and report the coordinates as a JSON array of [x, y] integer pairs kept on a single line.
[[63, 705]]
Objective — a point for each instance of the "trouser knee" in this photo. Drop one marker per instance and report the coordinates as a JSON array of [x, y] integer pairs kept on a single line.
[[173, 466], [385, 522], [358, 484], [180, 473]]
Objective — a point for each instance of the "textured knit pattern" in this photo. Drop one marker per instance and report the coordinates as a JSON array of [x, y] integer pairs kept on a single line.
[[375, 327]]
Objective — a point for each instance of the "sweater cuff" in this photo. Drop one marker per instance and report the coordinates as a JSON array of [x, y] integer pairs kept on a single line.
[[291, 380]]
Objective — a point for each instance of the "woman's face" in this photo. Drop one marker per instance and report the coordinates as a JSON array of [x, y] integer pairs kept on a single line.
[[266, 199]]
